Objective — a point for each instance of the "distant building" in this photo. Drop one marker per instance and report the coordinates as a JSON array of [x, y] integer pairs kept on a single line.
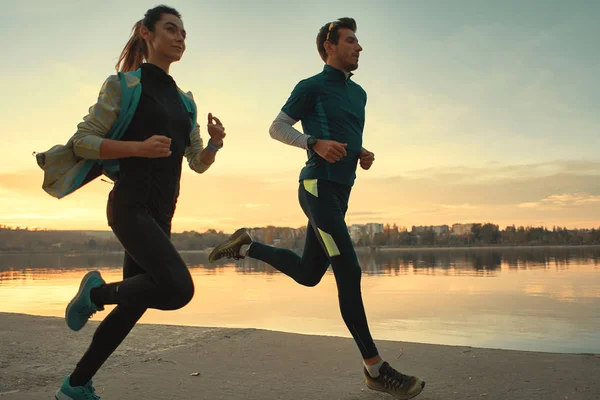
[[441, 229], [461, 229], [419, 229], [356, 232], [370, 230], [438, 229]]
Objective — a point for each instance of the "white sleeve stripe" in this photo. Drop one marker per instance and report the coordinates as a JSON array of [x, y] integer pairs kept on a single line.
[[282, 129]]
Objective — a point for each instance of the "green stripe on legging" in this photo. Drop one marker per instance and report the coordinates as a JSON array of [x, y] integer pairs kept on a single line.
[[311, 186], [330, 245]]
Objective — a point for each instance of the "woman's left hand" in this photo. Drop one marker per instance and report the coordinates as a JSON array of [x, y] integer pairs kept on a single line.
[[216, 130]]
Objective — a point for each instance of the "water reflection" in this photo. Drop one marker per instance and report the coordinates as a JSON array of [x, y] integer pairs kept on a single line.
[[468, 261], [484, 262], [543, 299], [477, 261]]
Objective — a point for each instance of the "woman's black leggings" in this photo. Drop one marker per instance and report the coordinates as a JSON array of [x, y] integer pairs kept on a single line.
[[154, 276]]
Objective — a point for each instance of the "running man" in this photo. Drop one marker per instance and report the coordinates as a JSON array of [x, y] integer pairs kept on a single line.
[[331, 107]]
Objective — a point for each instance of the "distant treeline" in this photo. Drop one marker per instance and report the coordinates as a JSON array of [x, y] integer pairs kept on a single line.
[[67, 241], [482, 234], [25, 240]]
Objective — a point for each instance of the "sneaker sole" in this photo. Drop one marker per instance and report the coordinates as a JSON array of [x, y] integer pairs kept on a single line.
[[61, 396], [396, 396], [229, 243], [85, 279]]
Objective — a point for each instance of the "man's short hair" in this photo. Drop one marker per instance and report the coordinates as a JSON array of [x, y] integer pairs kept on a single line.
[[330, 32]]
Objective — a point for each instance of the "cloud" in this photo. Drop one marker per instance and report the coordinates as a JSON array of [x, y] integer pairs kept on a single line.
[[500, 184], [364, 213], [529, 205], [562, 192], [529, 194], [458, 206], [564, 201], [498, 173], [568, 199]]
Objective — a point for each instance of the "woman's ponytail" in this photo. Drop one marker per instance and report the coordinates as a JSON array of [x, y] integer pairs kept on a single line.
[[135, 51]]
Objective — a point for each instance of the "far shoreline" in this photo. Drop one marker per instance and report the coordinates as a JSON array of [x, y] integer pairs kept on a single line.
[[478, 247], [359, 249]]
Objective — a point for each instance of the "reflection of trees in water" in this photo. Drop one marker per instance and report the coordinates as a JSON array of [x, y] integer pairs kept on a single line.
[[452, 261], [20, 275], [475, 261], [60, 261], [472, 261], [252, 266], [83, 260], [559, 257]]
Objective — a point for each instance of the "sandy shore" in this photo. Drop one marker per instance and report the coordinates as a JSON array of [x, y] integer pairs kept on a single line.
[[157, 362]]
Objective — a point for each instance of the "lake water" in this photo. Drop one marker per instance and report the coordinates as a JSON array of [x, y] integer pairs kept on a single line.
[[542, 299]]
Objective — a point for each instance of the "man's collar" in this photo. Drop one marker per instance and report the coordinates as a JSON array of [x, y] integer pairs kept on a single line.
[[336, 73]]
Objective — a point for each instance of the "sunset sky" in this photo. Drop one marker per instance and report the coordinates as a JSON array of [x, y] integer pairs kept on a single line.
[[478, 111]]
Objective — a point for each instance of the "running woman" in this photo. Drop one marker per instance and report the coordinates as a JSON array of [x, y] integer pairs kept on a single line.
[[138, 132]]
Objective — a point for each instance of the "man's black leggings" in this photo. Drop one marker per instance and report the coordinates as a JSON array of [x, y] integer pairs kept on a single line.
[[327, 242], [154, 276]]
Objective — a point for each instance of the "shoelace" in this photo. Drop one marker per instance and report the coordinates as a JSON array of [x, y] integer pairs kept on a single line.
[[92, 392], [87, 311], [392, 378], [232, 253]]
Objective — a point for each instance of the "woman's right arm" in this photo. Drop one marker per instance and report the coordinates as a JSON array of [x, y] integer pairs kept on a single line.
[[110, 149], [89, 141], [156, 146]]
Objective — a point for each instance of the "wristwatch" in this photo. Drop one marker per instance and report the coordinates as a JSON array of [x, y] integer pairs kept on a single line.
[[213, 148], [311, 142]]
